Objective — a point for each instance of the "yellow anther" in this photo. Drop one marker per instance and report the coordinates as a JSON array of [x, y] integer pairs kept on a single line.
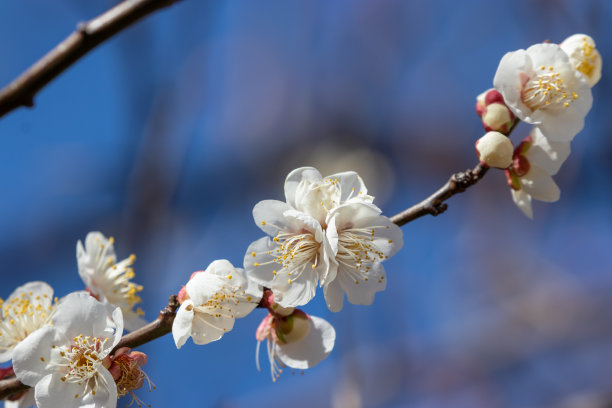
[[289, 281], [263, 223], [229, 276], [253, 254], [255, 263]]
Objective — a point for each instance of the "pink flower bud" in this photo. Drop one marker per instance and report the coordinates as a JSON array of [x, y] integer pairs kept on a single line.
[[497, 117], [495, 150], [182, 295]]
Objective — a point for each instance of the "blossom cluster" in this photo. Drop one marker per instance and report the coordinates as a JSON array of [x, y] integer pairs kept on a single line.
[[327, 233], [549, 87], [65, 348]]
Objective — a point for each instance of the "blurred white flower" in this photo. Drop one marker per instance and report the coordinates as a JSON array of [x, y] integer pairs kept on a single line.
[[541, 87], [535, 160], [294, 340], [26, 310], [67, 362], [211, 302], [361, 239], [109, 280], [583, 56]]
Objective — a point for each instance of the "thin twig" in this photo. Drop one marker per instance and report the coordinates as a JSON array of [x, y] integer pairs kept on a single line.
[[21, 91], [435, 204]]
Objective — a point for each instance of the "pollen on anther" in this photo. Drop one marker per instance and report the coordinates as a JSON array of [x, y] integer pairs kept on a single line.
[[255, 263], [253, 254], [289, 281], [263, 223], [42, 359]]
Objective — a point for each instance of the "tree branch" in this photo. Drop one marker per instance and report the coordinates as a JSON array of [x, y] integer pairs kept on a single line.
[[21, 91], [435, 204]]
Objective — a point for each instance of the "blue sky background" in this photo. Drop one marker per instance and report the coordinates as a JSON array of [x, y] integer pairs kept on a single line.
[[166, 136]]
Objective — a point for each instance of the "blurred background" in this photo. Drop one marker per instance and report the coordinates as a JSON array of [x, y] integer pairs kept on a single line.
[[166, 136]]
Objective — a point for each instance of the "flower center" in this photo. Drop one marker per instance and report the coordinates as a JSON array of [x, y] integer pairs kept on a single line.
[[82, 361], [222, 302], [588, 57], [357, 251], [295, 252], [547, 89], [22, 315]]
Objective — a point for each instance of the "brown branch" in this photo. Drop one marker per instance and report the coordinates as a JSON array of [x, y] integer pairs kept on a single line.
[[435, 204], [21, 91]]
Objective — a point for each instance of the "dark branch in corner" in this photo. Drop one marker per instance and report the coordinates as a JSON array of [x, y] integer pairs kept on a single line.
[[21, 91]]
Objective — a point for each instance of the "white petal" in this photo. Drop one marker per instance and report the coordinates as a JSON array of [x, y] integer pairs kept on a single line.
[[207, 328], [204, 285], [32, 356], [334, 295], [295, 177], [302, 221], [262, 273], [117, 318], [181, 327], [353, 214], [269, 216], [523, 201], [80, 313], [33, 289], [508, 80], [546, 154], [297, 293], [106, 393], [52, 392], [312, 349], [540, 185], [351, 186], [364, 292]]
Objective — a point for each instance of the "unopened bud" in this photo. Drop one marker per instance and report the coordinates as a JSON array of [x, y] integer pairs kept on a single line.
[[495, 150], [182, 295], [293, 328], [497, 117]]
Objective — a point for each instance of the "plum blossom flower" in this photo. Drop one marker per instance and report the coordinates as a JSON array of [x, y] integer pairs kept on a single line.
[[297, 256], [211, 301], [541, 87], [26, 310], [309, 192], [294, 339], [108, 280], [67, 362], [583, 56], [535, 160], [361, 239]]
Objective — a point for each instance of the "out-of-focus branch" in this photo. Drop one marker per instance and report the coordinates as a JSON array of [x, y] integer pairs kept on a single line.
[[21, 91], [435, 204]]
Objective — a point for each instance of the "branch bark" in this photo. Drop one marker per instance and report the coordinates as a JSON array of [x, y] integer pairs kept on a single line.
[[435, 204], [21, 91]]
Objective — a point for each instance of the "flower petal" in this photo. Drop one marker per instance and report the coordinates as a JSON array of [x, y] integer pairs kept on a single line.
[[508, 80], [540, 185], [51, 392], [80, 313], [351, 186], [32, 356], [546, 154], [181, 327], [334, 295], [312, 349], [295, 178], [362, 293], [523, 201], [207, 328]]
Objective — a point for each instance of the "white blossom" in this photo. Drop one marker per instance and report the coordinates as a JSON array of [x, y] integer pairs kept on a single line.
[[296, 340], [294, 259], [361, 239], [583, 56], [541, 87], [536, 160], [214, 299], [109, 280], [26, 310], [67, 362]]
